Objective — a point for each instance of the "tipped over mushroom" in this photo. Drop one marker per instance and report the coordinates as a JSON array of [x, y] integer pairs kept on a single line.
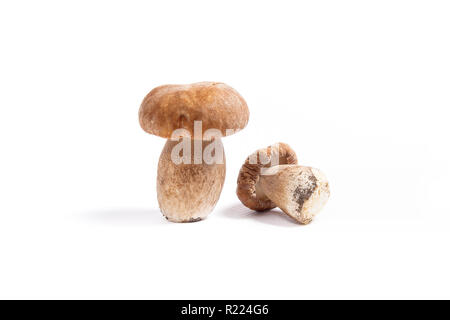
[[191, 168], [270, 178]]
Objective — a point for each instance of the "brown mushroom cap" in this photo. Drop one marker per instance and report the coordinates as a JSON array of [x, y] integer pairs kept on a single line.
[[170, 107], [248, 190]]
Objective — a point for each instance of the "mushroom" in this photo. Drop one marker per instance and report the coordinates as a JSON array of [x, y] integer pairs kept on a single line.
[[198, 114], [271, 178], [248, 187]]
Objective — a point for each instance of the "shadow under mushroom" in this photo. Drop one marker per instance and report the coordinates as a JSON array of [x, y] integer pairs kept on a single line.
[[273, 217]]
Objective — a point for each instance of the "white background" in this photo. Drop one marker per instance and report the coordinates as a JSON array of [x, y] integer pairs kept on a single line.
[[360, 89]]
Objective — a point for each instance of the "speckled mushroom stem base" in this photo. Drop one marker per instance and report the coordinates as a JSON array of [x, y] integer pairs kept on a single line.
[[299, 191], [188, 192]]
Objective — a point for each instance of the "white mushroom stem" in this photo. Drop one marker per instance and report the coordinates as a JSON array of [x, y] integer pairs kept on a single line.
[[188, 192], [301, 192]]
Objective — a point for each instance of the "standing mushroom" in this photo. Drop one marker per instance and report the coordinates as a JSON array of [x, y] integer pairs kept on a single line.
[[301, 192], [200, 113]]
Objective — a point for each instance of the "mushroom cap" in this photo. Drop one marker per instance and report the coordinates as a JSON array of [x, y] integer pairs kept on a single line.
[[170, 107], [248, 189]]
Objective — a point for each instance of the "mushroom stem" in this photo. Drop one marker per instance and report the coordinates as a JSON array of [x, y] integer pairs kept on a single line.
[[299, 191], [188, 192]]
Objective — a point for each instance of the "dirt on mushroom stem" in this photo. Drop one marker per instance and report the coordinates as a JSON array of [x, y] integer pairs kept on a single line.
[[301, 192]]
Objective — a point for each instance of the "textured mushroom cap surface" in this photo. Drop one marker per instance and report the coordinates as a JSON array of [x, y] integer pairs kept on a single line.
[[171, 107], [301, 192], [248, 190], [188, 192]]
